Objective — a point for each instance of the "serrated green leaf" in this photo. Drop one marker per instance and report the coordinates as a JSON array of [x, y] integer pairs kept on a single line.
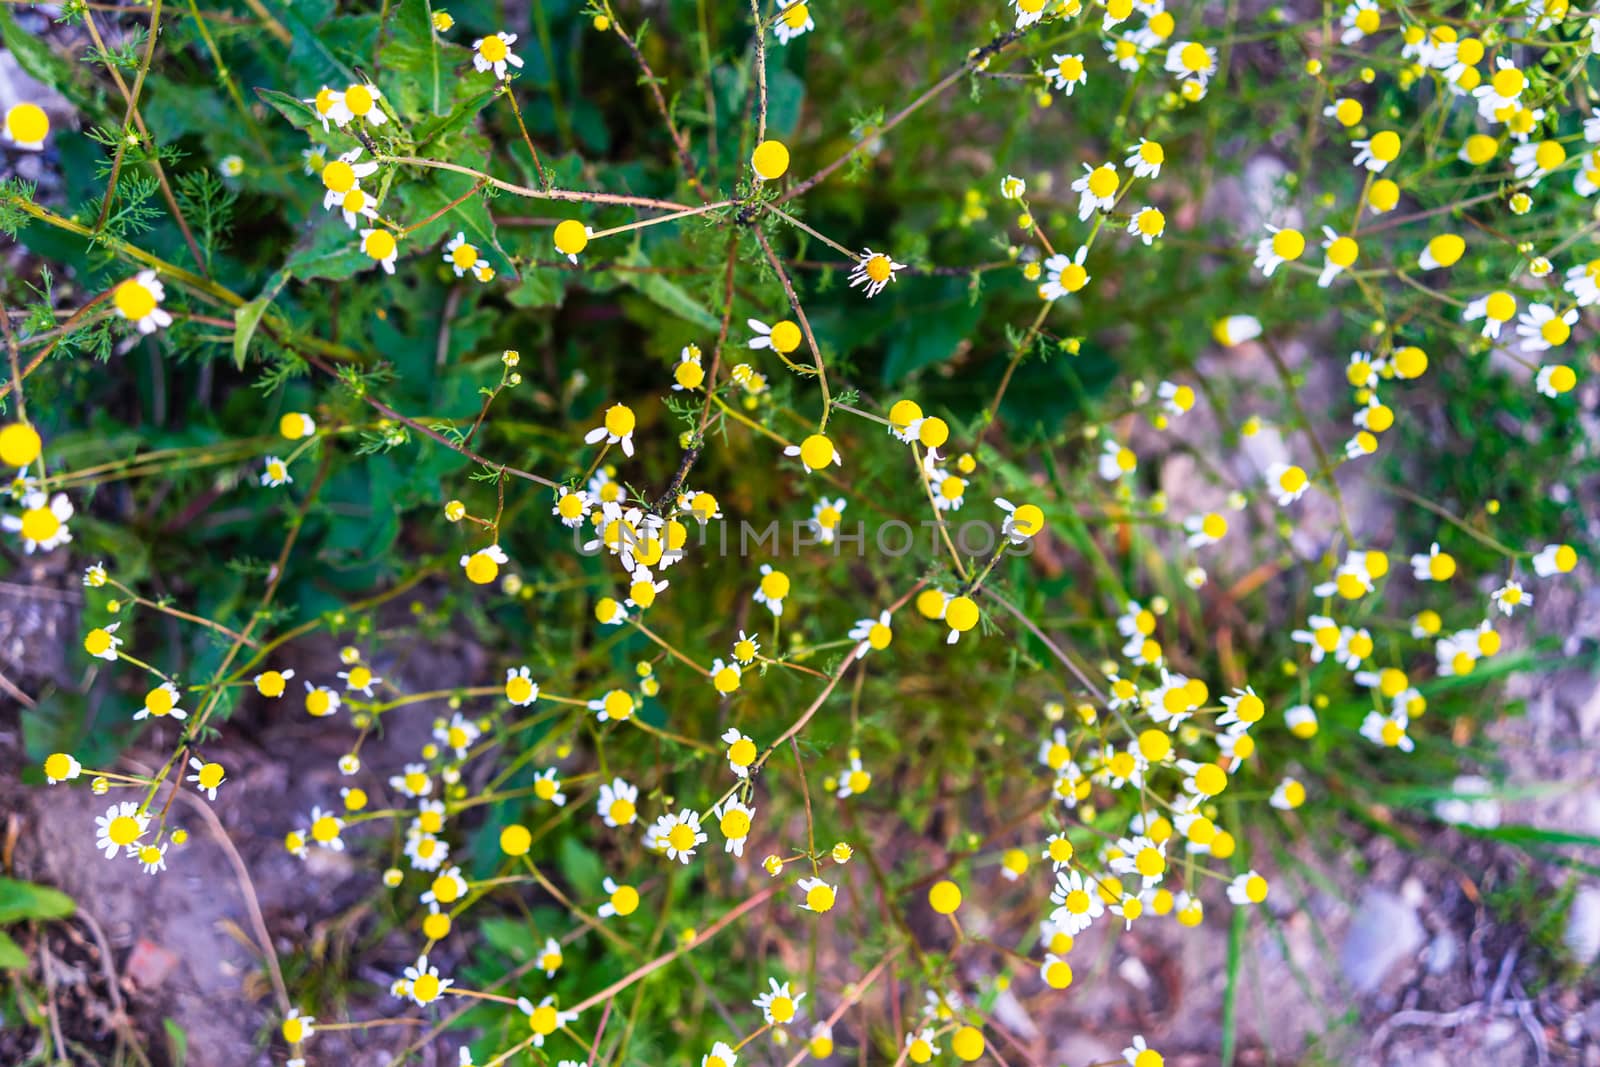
[[25, 900]]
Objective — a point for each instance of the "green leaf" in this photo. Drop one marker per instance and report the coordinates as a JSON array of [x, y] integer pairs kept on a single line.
[[935, 316], [666, 293], [12, 958], [177, 1043], [301, 115], [541, 287], [511, 937], [45, 65], [245, 320], [24, 900], [581, 867], [414, 51]]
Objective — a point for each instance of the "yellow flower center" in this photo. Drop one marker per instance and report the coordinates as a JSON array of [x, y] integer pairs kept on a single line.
[[492, 49], [819, 898], [28, 123], [123, 831], [134, 299], [379, 245], [1103, 182], [625, 900]]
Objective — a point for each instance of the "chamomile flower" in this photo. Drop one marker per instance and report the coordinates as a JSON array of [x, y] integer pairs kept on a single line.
[[344, 174], [494, 53], [689, 374], [102, 642], [782, 337], [1339, 256], [920, 1045], [161, 702], [1021, 522], [1059, 851], [329, 106], [1189, 60], [1495, 309], [572, 506], [1077, 905], [721, 1055], [1205, 529], [855, 779], [521, 689], [461, 254], [1280, 246], [571, 237], [1347, 111], [359, 679], [325, 830], [816, 453], [734, 819], [544, 1018], [457, 735], [26, 126], [120, 828], [819, 895], [1146, 158], [1541, 328], [774, 586], [741, 751], [1140, 1054], [1555, 379], [1433, 566], [423, 984], [825, 518], [875, 271], [1583, 283], [1064, 274], [153, 858], [617, 705], [1176, 400], [61, 767], [679, 834], [139, 301], [876, 634], [793, 19], [381, 247], [1142, 856], [1068, 73], [1378, 151], [1554, 559], [1445, 250], [778, 1005], [746, 649], [413, 781], [1117, 461], [483, 566], [1287, 483], [207, 776], [1502, 94], [275, 473], [1511, 596], [1096, 189], [725, 677], [1388, 731], [1147, 224], [617, 427], [1028, 11], [616, 803], [547, 787]]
